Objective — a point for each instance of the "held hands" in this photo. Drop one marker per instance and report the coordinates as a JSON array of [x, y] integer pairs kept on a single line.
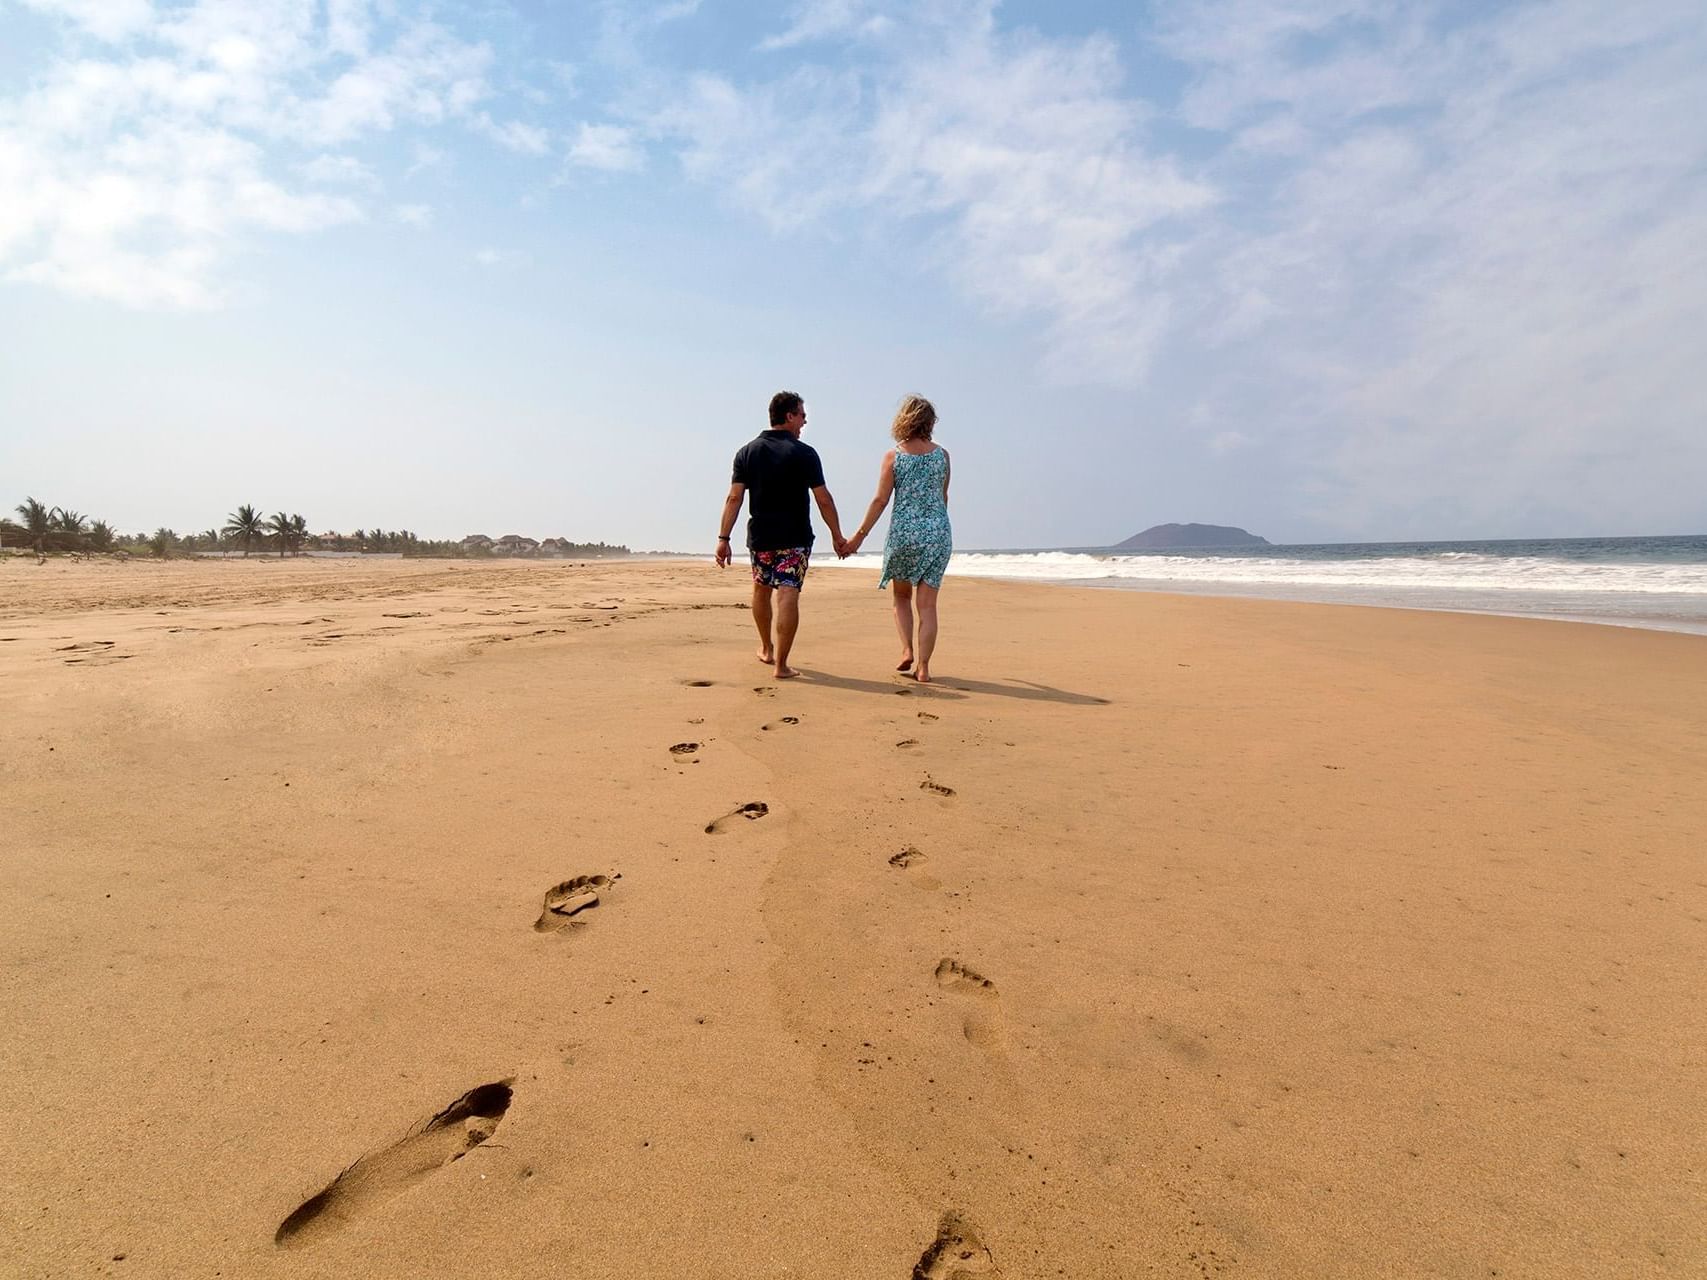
[[850, 546]]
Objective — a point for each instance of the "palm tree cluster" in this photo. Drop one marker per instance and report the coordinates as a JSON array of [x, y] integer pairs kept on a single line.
[[48, 528], [245, 527], [60, 529], [375, 539]]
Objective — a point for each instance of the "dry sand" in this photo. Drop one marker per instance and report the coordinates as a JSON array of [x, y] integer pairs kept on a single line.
[[1236, 938]]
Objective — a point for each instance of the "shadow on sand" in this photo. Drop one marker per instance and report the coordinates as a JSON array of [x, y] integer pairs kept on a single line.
[[954, 688]]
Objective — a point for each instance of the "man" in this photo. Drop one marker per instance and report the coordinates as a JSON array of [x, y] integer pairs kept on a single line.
[[778, 471]]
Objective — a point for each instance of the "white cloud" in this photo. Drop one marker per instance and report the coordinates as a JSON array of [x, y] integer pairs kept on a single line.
[[349, 26], [424, 158], [514, 135], [566, 75], [826, 19], [1476, 277], [414, 215], [328, 169], [1022, 153], [104, 19], [1429, 259], [610, 147], [490, 257], [140, 168]]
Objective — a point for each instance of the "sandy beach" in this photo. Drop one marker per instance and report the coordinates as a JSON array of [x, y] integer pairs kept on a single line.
[[414, 918]]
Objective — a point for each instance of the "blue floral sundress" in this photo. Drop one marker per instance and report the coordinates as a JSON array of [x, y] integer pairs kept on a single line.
[[920, 539]]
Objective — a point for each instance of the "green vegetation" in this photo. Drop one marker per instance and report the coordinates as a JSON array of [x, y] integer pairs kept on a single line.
[[49, 530]]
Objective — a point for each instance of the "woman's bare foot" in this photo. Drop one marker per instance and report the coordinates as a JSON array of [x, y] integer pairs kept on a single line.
[[923, 675], [786, 673], [906, 663]]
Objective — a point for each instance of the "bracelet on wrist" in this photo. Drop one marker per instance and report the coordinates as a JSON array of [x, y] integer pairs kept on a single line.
[[723, 537]]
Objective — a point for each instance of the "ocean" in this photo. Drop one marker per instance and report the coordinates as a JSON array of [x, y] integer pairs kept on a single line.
[[1658, 583]]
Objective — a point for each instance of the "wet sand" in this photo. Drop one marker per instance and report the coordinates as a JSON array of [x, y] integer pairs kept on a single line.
[[429, 918]]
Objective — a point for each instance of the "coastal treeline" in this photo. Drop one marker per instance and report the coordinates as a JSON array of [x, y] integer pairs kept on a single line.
[[53, 530]]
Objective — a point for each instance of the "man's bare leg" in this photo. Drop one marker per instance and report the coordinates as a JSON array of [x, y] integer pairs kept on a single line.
[[927, 631], [904, 621], [762, 620], [787, 623]]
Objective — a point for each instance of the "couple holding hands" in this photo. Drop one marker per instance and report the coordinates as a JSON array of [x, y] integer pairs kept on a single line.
[[775, 472]]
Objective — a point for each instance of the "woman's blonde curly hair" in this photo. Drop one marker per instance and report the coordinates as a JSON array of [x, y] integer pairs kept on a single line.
[[915, 420]]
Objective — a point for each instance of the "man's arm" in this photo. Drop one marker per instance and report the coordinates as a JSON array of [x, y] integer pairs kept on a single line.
[[725, 526], [827, 509]]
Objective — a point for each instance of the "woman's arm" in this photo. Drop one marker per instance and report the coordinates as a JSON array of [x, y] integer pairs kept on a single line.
[[885, 487], [947, 471]]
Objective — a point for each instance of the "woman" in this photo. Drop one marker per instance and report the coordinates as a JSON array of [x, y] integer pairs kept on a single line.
[[920, 540]]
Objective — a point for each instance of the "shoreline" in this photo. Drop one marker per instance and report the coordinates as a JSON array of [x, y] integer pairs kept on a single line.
[[1164, 934], [1371, 598], [1634, 622]]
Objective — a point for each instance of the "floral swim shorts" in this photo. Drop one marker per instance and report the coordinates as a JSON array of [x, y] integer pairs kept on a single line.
[[785, 568]]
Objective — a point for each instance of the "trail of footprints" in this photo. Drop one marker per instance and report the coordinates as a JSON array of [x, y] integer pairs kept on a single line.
[[957, 1252]]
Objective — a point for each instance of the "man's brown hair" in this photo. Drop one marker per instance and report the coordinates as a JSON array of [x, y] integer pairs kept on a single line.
[[784, 403]]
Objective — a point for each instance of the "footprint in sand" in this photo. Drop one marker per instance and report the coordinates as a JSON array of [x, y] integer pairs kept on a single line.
[[697, 684], [926, 715], [684, 748], [98, 652], [935, 788], [748, 812], [780, 723], [910, 860], [764, 691], [380, 1175], [956, 1253], [563, 902], [980, 1023], [907, 744]]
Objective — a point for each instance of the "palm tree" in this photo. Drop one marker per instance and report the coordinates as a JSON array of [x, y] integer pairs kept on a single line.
[[38, 520], [162, 542], [279, 526], [245, 525], [298, 531], [101, 535]]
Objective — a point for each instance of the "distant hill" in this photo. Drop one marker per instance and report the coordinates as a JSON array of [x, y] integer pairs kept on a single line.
[[1190, 535]]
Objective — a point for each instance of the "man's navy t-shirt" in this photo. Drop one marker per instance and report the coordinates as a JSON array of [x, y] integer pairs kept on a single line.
[[778, 472]]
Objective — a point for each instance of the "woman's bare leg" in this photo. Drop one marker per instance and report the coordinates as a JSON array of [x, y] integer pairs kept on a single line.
[[927, 631], [904, 621]]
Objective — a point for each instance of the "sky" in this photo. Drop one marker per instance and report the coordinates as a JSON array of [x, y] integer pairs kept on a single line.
[[1328, 270]]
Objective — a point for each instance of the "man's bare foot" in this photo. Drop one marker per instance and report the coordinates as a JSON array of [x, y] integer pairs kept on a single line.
[[786, 673], [906, 663], [923, 675], [767, 657]]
